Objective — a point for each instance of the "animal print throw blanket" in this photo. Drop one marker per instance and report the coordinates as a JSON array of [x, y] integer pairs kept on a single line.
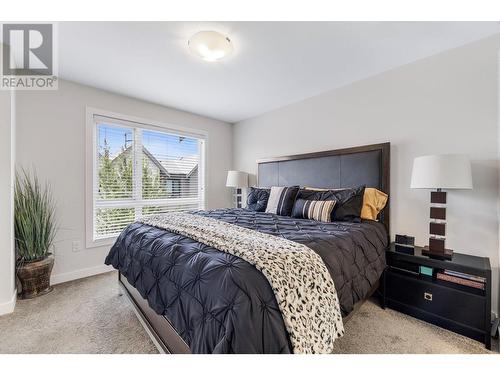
[[300, 280]]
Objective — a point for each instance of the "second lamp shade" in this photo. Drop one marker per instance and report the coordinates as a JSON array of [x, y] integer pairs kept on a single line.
[[237, 179]]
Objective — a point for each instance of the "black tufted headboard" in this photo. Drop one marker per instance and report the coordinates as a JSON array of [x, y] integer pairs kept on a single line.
[[349, 167]]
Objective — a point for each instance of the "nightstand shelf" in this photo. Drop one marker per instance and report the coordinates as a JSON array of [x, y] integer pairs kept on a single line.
[[459, 308]]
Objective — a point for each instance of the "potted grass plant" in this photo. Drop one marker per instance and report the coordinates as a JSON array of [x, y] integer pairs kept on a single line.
[[35, 228]]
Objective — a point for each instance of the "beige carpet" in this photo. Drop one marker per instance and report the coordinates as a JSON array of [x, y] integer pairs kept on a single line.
[[88, 316], [82, 316], [373, 330]]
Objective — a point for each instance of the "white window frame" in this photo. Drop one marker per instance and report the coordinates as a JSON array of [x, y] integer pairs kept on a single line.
[[91, 167]]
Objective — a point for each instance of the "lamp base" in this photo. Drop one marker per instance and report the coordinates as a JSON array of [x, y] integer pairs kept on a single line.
[[447, 254], [237, 198]]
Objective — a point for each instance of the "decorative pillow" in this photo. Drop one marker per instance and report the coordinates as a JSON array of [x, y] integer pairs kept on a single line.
[[320, 189], [281, 200], [349, 201], [317, 195], [350, 204], [257, 199], [314, 210], [374, 201]]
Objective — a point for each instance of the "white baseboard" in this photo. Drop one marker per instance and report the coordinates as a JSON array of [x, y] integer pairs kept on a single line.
[[79, 274], [8, 307]]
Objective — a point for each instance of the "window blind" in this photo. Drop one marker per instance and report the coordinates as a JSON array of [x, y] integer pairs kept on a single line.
[[141, 170]]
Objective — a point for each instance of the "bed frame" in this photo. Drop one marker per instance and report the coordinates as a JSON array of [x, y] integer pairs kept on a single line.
[[349, 167]]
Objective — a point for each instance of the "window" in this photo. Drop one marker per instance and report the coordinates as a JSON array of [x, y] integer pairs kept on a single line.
[[140, 169]]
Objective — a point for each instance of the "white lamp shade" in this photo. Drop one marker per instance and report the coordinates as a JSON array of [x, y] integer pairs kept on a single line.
[[237, 179], [441, 172]]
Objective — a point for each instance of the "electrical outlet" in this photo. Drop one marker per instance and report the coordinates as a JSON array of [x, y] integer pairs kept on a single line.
[[76, 246]]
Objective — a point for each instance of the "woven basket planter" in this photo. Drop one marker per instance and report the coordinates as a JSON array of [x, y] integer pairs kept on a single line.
[[35, 277]]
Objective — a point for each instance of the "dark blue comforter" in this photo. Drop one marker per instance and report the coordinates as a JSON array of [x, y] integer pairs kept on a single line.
[[219, 303]]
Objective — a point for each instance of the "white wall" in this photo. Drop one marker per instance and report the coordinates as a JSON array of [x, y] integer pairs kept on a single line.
[[7, 271], [51, 137], [443, 104]]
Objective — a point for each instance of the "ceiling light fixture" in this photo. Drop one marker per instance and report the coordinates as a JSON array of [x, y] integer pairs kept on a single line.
[[210, 45]]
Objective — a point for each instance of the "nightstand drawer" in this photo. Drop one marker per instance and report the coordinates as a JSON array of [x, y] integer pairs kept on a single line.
[[448, 303]]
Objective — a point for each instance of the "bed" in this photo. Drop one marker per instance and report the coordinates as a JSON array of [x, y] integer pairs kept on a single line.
[[193, 298]]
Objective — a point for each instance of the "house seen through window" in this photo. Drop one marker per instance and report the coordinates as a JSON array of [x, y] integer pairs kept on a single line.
[[139, 171]]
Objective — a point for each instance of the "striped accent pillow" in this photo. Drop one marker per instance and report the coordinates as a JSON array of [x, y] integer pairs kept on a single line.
[[281, 200], [313, 210]]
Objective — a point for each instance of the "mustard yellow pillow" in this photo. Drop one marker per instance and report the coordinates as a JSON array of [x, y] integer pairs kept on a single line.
[[374, 201]]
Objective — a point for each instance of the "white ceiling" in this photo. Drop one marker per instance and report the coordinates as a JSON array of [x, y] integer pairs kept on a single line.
[[273, 64]]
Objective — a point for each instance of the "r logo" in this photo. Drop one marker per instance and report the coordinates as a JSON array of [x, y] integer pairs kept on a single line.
[[28, 49]]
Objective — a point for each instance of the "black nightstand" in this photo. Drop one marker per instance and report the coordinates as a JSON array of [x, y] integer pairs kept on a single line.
[[462, 309]]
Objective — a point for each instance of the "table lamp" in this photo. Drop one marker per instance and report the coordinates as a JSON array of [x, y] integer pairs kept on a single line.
[[237, 180], [440, 172]]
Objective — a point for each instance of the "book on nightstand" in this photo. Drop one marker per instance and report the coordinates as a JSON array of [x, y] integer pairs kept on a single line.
[[460, 281], [465, 276]]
